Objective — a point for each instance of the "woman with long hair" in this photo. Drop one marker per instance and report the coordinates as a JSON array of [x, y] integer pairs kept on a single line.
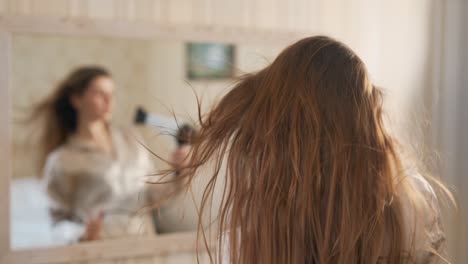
[[312, 175], [94, 172]]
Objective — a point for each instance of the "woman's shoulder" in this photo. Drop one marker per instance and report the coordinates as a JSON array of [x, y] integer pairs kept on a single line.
[[429, 229], [56, 156], [421, 184], [428, 200]]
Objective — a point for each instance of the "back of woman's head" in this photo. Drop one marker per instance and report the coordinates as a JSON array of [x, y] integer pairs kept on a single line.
[[57, 116], [311, 173]]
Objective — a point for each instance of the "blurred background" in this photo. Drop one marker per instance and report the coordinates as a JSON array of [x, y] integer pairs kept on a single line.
[[415, 50]]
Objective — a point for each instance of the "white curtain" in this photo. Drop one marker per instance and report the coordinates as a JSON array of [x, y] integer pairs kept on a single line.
[[450, 74]]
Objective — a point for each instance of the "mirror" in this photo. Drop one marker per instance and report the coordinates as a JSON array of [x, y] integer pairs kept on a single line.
[[80, 187]]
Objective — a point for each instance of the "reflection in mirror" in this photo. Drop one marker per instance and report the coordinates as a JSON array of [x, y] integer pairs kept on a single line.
[[88, 116]]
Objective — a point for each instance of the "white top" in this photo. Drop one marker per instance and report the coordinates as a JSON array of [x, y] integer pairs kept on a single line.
[[82, 181]]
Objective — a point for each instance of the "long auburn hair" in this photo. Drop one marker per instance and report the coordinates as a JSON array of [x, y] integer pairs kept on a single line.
[[56, 115], [312, 176]]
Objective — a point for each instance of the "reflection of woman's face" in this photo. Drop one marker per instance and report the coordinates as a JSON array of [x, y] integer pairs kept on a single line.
[[96, 103]]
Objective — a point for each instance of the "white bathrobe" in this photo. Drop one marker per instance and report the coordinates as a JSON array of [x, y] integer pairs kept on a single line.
[[82, 181]]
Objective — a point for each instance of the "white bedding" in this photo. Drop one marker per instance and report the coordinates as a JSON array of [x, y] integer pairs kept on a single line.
[[31, 225]]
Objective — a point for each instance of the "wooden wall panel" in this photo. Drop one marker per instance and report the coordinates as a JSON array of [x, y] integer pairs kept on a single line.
[[102, 9], [246, 17], [3, 6], [160, 11], [180, 11], [264, 12], [314, 15], [283, 21], [253, 14], [20, 7], [144, 10], [299, 14], [124, 10], [55, 8], [77, 8], [206, 12], [229, 13]]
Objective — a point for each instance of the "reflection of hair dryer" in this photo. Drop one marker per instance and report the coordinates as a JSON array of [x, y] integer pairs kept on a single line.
[[165, 124]]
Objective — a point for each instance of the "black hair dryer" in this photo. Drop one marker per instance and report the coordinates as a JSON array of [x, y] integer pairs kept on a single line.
[[164, 124]]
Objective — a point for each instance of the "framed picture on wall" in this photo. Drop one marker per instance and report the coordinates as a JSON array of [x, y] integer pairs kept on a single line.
[[209, 61]]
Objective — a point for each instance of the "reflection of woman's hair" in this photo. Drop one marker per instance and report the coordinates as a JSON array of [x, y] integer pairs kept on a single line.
[[56, 112], [312, 175]]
